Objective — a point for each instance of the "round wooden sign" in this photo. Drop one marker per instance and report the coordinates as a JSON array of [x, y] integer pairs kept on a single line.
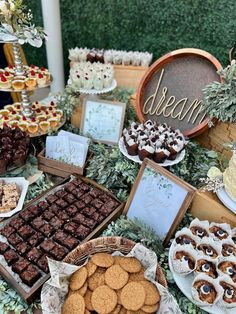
[[171, 90]]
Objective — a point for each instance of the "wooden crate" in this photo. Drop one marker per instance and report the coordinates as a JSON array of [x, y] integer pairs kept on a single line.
[[128, 75], [58, 168]]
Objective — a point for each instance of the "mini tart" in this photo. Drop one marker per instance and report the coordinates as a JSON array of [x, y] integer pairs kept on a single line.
[[41, 80], [53, 122], [23, 125], [229, 292], [5, 112], [227, 266], [41, 117], [44, 126], [18, 84], [9, 108], [31, 82], [206, 266], [185, 237], [8, 75], [13, 123], [183, 260], [33, 127], [206, 290], [208, 247], [228, 248], [4, 83], [17, 106], [199, 228], [220, 231]]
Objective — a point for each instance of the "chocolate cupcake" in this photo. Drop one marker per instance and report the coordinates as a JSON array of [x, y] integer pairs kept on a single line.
[[185, 237], [160, 154], [209, 248], [220, 231], [227, 266], [132, 146], [146, 151], [183, 260], [229, 292], [206, 266], [199, 228], [228, 248], [174, 150]]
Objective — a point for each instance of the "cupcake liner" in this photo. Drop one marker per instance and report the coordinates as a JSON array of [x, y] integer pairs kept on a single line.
[[216, 245], [231, 259], [221, 301], [226, 227], [214, 282], [181, 266], [211, 260], [202, 224], [231, 243], [187, 232]]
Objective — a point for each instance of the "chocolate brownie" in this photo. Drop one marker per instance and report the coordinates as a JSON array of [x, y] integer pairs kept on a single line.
[[63, 216], [30, 275], [97, 203], [34, 210], [77, 192], [76, 181], [88, 211], [56, 223], [36, 239], [48, 214], [42, 263], [7, 231], [60, 237], [72, 210], [69, 198], [34, 255], [47, 230], [82, 232], [22, 248], [104, 197], [38, 222], [90, 223], [14, 239], [79, 204], [27, 215], [11, 256], [47, 245], [70, 242], [79, 218], [3, 247], [54, 209], [61, 203], [71, 227], [42, 206], [86, 198], [83, 186], [61, 193], [19, 266], [69, 187], [51, 199], [16, 223], [59, 252], [97, 217], [95, 193], [111, 204], [25, 232]]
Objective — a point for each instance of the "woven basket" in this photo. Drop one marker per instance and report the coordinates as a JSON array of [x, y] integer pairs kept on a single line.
[[109, 245]]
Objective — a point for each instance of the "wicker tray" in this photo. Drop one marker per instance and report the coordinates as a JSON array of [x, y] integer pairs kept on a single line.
[[109, 245]]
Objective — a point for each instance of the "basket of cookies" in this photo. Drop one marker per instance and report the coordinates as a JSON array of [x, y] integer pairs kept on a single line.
[[107, 275]]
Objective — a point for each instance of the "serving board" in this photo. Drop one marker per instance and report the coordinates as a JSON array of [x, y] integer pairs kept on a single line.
[[171, 90], [29, 294]]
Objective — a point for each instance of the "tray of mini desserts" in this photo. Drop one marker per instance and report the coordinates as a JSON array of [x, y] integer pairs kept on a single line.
[[34, 77], [92, 78], [202, 259], [52, 225], [45, 118], [158, 142]]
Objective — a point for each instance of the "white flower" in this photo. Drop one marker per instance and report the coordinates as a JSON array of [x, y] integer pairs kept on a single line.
[[213, 173], [7, 7]]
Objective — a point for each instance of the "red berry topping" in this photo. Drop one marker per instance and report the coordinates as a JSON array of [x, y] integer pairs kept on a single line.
[[46, 112], [3, 79], [5, 118], [52, 103], [38, 110], [54, 114], [40, 75], [32, 73], [13, 112], [42, 69], [33, 119], [6, 73], [18, 106], [50, 108], [32, 66], [10, 66], [24, 118]]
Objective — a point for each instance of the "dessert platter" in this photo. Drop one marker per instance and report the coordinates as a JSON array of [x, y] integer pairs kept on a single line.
[[51, 226], [202, 259], [12, 195], [44, 118], [158, 142]]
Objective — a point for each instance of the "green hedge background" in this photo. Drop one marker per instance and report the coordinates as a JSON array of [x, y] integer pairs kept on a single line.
[[158, 26]]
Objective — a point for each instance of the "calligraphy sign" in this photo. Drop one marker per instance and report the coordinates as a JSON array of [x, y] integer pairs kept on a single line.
[[171, 90]]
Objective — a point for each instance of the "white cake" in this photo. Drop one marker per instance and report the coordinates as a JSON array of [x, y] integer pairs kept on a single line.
[[229, 178]]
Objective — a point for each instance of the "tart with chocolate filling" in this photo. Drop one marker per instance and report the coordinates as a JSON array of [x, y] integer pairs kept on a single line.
[[228, 268], [185, 239], [208, 250], [219, 232], [199, 231], [206, 291], [228, 250], [185, 256], [229, 295], [206, 267]]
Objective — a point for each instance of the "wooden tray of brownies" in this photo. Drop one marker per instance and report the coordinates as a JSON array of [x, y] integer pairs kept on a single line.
[[52, 225]]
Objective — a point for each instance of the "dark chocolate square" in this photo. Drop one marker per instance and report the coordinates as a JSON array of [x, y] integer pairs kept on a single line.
[[95, 193], [19, 266], [70, 242], [69, 198], [61, 203], [76, 181], [51, 199], [60, 236], [36, 239], [42, 263], [17, 222], [59, 252], [88, 211], [61, 193], [3, 247], [70, 227], [25, 232], [47, 245], [47, 230], [27, 215], [97, 203], [7, 231], [30, 275], [97, 217], [56, 223], [86, 198], [48, 214], [77, 192], [79, 218], [83, 186], [104, 197], [112, 204], [22, 248], [82, 232], [79, 204], [69, 187], [54, 209], [90, 223], [63, 216], [38, 222], [34, 255], [11, 256], [34, 210], [14, 239], [72, 210], [42, 206]]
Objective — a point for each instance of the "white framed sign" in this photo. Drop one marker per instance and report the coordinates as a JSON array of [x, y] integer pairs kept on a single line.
[[103, 120], [159, 198]]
